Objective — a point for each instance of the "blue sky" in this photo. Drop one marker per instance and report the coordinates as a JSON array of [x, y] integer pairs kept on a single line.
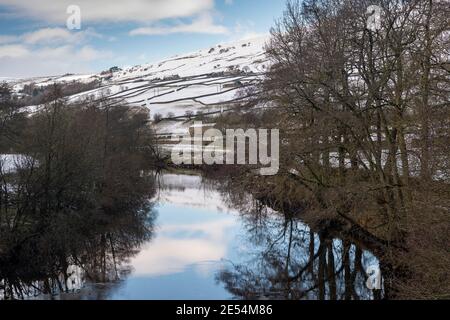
[[35, 40]]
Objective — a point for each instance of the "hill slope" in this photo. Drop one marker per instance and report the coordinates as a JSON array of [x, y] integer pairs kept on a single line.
[[203, 81]]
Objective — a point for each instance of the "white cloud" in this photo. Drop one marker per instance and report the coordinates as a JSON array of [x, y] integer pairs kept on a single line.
[[55, 50], [88, 53], [245, 31], [85, 53], [13, 51], [7, 39], [49, 51], [203, 24], [47, 35], [51, 35], [109, 10], [21, 61]]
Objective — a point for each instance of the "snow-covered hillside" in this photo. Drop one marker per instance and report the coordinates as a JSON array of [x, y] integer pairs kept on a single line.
[[205, 81]]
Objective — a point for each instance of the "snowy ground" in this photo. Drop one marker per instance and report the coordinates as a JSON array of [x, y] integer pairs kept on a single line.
[[9, 162], [208, 80]]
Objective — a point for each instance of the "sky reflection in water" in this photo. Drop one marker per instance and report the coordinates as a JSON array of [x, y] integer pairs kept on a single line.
[[195, 234], [198, 239]]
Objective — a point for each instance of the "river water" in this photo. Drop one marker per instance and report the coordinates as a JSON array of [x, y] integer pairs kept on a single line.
[[202, 247], [205, 249]]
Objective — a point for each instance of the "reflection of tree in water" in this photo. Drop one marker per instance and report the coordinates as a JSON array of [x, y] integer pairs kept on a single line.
[[76, 206], [293, 262], [82, 247]]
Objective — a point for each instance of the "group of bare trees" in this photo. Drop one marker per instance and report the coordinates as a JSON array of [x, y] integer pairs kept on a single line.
[[364, 116], [365, 113], [11, 119], [33, 94], [74, 192]]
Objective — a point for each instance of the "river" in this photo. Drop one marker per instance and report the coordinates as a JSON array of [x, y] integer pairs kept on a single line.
[[203, 247]]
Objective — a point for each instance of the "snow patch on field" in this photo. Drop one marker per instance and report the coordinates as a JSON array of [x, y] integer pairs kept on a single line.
[[203, 81]]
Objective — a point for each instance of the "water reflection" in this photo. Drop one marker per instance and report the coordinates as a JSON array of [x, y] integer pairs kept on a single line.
[[288, 260], [292, 262], [207, 242], [213, 243], [195, 232], [77, 249]]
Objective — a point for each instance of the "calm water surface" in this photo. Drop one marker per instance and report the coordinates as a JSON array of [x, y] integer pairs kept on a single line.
[[196, 236], [203, 249]]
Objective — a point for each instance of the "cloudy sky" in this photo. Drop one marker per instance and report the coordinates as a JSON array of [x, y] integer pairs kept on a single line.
[[35, 40]]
